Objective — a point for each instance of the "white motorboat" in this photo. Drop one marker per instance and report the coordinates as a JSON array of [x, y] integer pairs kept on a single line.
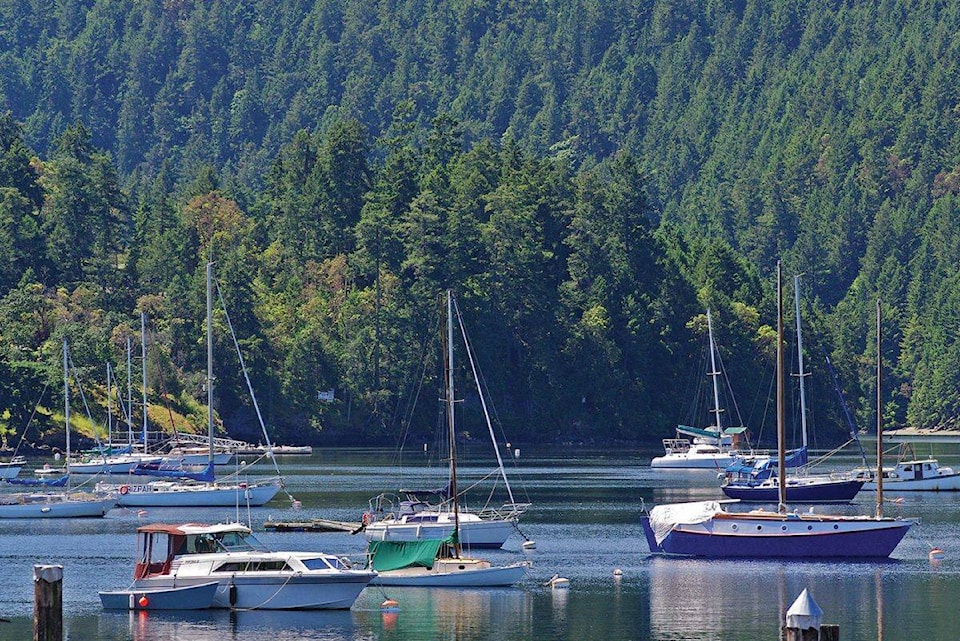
[[914, 475], [249, 575]]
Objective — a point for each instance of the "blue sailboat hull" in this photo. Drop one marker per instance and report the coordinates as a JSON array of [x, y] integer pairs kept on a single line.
[[786, 537], [829, 491]]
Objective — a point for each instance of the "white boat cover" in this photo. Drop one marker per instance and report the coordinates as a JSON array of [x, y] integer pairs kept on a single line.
[[663, 518]]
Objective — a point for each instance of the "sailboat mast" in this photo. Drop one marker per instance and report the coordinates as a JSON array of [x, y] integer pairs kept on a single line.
[[714, 373], [66, 406], [129, 414], [109, 411], [781, 428], [879, 422], [450, 425], [143, 367], [802, 374], [210, 360]]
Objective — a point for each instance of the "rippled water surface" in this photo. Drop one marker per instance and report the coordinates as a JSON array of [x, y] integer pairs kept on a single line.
[[585, 523]]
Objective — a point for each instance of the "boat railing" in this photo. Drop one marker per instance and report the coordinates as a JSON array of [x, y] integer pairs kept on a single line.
[[506, 511]]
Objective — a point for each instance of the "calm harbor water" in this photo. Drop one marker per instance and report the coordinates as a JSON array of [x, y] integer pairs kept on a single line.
[[585, 523]]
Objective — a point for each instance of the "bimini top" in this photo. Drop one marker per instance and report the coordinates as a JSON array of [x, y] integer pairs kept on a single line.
[[192, 528]]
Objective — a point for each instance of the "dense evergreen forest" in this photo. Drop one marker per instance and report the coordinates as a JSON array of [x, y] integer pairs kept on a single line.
[[588, 176]]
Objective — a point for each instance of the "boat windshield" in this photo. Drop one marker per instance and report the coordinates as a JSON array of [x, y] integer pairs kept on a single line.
[[322, 563], [224, 542]]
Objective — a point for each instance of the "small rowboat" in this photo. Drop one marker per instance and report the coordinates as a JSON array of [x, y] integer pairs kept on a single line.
[[189, 597]]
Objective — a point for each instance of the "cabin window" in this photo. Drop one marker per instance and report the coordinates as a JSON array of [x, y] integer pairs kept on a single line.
[[907, 468], [254, 566], [319, 563]]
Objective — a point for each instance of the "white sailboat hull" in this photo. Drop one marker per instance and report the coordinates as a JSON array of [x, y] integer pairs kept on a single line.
[[694, 461], [53, 506], [174, 494], [454, 573], [111, 465], [473, 533]]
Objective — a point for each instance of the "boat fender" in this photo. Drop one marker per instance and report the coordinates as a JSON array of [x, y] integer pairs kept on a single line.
[[124, 489], [233, 594]]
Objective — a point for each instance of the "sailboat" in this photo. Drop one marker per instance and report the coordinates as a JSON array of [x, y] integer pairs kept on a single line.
[[438, 562], [57, 504], [106, 459], [188, 488], [754, 481], [706, 529], [415, 517], [712, 448]]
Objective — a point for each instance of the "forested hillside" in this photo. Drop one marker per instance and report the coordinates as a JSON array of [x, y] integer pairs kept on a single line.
[[588, 177]]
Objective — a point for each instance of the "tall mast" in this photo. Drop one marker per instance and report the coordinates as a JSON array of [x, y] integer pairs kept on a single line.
[[714, 373], [210, 359], [66, 406], [450, 425], [802, 374], [109, 412], [781, 427], [879, 422], [143, 359], [129, 414]]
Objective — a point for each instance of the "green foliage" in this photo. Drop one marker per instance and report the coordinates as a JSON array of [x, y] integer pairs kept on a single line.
[[588, 177]]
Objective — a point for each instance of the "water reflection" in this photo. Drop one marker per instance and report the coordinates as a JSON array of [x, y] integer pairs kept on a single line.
[[423, 613], [700, 599]]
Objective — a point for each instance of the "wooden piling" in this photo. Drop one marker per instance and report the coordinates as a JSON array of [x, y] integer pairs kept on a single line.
[[48, 603]]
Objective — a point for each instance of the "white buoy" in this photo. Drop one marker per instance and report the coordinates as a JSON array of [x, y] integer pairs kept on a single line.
[[558, 582], [529, 545], [296, 504], [618, 572], [516, 453]]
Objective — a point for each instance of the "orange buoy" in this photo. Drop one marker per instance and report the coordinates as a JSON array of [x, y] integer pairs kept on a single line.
[[143, 601]]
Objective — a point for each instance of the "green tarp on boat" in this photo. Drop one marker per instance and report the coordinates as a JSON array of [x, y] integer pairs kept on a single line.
[[393, 555]]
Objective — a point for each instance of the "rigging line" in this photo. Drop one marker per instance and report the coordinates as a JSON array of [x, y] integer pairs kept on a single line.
[[483, 402], [23, 434], [246, 377], [166, 403], [83, 397]]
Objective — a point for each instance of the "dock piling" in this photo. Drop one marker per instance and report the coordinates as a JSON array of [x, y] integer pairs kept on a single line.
[[48, 603], [803, 622]]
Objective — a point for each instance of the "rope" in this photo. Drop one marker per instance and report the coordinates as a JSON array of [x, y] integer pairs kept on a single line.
[[270, 598]]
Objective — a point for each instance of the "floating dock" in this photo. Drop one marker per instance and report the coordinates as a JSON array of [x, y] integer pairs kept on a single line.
[[313, 525]]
